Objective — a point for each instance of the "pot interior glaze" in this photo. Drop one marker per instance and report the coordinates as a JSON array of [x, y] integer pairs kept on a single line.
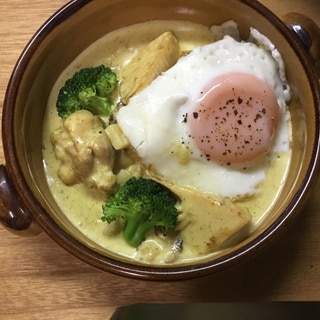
[[79, 24]]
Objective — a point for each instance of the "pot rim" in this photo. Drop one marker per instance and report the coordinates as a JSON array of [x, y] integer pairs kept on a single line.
[[122, 268]]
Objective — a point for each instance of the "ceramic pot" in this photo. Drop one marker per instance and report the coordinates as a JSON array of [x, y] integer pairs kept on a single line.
[[26, 203]]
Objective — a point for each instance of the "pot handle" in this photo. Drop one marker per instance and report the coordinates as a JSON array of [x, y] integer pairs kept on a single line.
[[309, 34], [13, 215]]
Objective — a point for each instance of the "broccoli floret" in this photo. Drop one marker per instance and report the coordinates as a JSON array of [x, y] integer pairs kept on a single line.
[[90, 89], [143, 204]]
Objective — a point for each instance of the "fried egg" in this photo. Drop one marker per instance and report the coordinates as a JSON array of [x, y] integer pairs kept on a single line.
[[214, 120]]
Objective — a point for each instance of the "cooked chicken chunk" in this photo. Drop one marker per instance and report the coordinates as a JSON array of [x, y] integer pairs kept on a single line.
[[85, 152]]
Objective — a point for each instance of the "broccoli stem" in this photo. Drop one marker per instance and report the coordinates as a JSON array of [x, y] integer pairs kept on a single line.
[[136, 230], [98, 105], [130, 230]]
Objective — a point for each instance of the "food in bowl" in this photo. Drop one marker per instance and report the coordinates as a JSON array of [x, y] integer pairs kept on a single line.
[[196, 110]]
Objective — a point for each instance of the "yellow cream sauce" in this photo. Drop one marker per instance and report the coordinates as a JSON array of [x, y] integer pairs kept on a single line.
[[83, 207]]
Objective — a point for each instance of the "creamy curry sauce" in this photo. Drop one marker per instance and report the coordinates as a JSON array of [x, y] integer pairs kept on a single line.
[[82, 206]]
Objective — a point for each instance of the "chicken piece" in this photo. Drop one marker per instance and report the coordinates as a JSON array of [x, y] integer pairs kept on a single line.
[[158, 56], [85, 152], [207, 224]]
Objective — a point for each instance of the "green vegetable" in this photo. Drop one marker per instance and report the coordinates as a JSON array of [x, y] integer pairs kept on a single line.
[[143, 204], [90, 89]]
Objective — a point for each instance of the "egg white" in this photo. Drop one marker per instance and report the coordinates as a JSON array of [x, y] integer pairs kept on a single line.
[[154, 122]]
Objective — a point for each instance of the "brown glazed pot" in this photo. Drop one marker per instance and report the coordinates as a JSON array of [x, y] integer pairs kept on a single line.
[[25, 201]]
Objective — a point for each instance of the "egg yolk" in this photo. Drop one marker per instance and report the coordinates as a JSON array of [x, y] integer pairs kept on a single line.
[[234, 120]]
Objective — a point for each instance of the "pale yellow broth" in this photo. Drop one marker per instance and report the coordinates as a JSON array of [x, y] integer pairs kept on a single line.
[[83, 207]]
